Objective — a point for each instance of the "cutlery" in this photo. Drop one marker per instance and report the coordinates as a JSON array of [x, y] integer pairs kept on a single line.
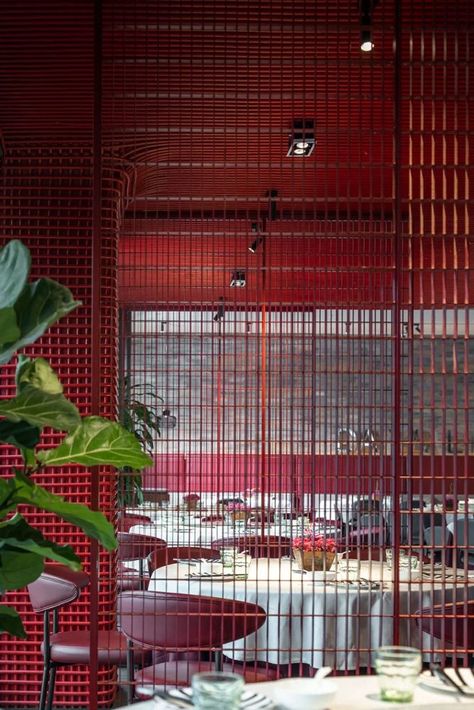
[[441, 674], [461, 679], [181, 701]]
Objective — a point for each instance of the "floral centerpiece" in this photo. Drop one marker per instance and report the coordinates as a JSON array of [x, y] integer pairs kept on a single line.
[[238, 511], [314, 552]]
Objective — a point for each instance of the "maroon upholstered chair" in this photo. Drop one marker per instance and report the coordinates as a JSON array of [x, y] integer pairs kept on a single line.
[[166, 556], [135, 547], [128, 520], [269, 546], [57, 587], [178, 623], [451, 623]]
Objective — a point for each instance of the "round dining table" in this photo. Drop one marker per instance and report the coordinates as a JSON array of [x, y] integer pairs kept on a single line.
[[338, 622]]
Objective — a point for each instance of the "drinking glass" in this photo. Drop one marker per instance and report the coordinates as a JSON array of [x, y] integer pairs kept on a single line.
[[228, 556], [398, 668], [217, 690]]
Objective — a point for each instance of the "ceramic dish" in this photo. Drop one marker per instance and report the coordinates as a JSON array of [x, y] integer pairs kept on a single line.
[[249, 701], [434, 683]]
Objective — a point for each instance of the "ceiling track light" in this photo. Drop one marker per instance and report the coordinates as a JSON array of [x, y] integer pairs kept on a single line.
[[366, 8], [301, 140], [219, 314], [238, 279], [258, 240]]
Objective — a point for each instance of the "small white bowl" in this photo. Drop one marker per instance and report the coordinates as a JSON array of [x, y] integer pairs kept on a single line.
[[306, 693]]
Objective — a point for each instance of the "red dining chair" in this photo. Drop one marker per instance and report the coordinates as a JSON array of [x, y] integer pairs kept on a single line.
[[135, 547], [176, 623], [57, 587], [167, 555], [270, 546], [451, 623]]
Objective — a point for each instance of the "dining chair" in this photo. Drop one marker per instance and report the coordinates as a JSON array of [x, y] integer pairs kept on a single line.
[[451, 623], [368, 530], [273, 546], [176, 623], [435, 535], [57, 587], [167, 555], [463, 542], [135, 547], [128, 520]]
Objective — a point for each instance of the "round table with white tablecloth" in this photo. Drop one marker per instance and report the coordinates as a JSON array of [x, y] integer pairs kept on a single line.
[[337, 623]]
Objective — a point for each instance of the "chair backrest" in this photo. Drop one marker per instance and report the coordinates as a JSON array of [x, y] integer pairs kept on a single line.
[[128, 520], [55, 587], [377, 554], [452, 623], [181, 622], [270, 546], [166, 556], [134, 547]]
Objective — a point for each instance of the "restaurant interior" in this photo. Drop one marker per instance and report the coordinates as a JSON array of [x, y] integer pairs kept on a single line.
[[264, 211]]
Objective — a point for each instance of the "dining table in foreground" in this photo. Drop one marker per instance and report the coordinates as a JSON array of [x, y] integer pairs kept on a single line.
[[354, 692]]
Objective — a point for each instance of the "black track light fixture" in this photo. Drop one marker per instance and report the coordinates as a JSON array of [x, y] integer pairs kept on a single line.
[[366, 8], [238, 279], [219, 314], [301, 140], [258, 239]]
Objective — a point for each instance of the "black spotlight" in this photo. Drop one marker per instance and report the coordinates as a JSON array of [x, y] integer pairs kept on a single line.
[[258, 240], [238, 279], [301, 140], [366, 8], [219, 314]]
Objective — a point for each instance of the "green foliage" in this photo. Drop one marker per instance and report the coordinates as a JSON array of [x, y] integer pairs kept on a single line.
[[26, 310], [141, 420]]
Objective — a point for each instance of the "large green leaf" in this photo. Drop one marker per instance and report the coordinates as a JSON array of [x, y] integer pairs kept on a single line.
[[14, 269], [37, 373], [92, 522], [16, 533], [40, 305], [10, 622], [18, 568], [19, 434], [98, 441], [9, 330], [41, 409]]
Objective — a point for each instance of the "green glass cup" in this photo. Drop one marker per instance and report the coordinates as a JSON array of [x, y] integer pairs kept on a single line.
[[398, 668], [217, 690]]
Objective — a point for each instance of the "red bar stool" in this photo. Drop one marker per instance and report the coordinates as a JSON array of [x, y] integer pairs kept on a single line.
[[57, 587], [176, 623]]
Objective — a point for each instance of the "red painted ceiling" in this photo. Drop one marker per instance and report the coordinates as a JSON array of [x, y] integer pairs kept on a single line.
[[198, 102]]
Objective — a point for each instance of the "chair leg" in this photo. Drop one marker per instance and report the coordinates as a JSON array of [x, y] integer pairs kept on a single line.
[[44, 685], [52, 682], [130, 673], [218, 660]]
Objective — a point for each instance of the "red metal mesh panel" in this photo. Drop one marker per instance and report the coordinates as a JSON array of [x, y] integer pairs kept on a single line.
[[339, 374]]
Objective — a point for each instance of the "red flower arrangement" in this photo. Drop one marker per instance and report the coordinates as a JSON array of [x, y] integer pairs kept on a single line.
[[233, 507], [311, 543]]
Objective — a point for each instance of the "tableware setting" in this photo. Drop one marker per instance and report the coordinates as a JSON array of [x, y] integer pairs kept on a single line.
[[453, 681]]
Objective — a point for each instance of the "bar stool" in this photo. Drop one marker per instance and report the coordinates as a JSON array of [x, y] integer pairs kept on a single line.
[[175, 623], [56, 587]]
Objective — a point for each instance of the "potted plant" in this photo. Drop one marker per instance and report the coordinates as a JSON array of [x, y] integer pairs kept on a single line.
[[26, 311], [191, 501], [314, 552], [142, 420]]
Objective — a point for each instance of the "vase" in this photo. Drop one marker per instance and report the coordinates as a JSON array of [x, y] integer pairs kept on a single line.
[[239, 515], [313, 560]]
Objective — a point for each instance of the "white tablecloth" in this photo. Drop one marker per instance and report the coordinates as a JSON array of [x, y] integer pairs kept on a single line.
[[312, 622], [353, 693]]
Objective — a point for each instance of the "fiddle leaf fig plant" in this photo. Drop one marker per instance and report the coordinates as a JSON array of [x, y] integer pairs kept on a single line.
[[26, 311]]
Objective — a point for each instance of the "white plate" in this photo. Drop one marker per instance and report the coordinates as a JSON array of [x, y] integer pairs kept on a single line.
[[249, 701], [434, 683]]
